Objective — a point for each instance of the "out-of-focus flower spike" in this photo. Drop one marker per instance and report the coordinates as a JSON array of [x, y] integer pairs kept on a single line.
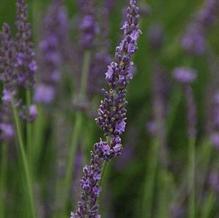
[[214, 121], [194, 39], [88, 24], [184, 75], [25, 62], [53, 51], [7, 77]]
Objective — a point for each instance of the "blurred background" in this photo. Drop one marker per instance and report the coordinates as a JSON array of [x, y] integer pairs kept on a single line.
[[171, 144]]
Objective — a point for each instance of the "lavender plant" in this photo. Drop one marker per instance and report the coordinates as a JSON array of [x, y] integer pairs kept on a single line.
[[111, 115], [41, 160], [53, 52], [7, 58], [17, 72], [186, 76], [194, 39]]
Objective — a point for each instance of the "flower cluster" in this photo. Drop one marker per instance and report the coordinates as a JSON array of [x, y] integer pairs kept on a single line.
[[184, 75], [17, 68], [7, 61], [25, 63], [53, 51], [111, 115], [194, 40], [8, 78], [112, 111], [92, 176], [88, 24]]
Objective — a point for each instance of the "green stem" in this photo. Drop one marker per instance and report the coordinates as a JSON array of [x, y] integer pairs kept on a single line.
[[191, 178], [29, 129], [75, 135], [85, 73], [38, 130], [149, 186], [3, 179], [175, 99], [208, 205], [103, 202], [24, 161], [203, 162], [165, 183]]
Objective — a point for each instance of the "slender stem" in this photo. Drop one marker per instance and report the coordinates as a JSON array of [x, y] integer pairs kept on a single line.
[[191, 178], [203, 160], [148, 195], [38, 130], [208, 205], [104, 203], [75, 136], [24, 161], [175, 99], [165, 183], [85, 71], [29, 129], [3, 179]]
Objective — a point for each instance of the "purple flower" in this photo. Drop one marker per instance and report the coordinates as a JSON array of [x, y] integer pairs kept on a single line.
[[7, 131], [25, 64], [32, 112], [184, 75], [88, 24], [44, 94], [194, 39], [207, 15], [110, 71], [111, 116], [214, 120], [120, 127], [7, 96], [54, 50], [7, 61], [8, 78]]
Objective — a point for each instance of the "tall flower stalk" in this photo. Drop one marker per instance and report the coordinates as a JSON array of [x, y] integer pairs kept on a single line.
[[186, 76], [17, 74], [53, 51], [88, 30], [7, 54], [25, 65], [194, 39], [111, 116]]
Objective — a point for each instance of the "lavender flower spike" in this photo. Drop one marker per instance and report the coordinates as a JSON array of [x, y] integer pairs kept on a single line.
[[25, 62], [88, 24], [111, 115], [7, 57], [53, 51], [194, 39], [184, 75]]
